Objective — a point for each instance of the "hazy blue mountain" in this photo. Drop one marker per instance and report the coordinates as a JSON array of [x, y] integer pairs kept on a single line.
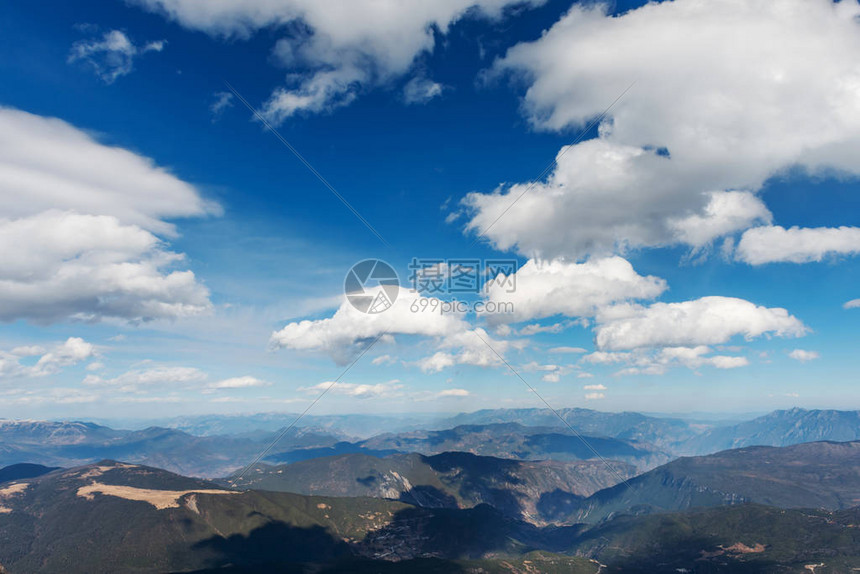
[[811, 475], [505, 440], [539, 492], [69, 444], [779, 428], [658, 431]]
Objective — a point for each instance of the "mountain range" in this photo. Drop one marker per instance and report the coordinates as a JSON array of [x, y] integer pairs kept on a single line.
[[759, 509], [538, 492]]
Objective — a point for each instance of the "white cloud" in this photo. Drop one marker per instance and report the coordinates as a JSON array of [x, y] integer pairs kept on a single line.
[[244, 382], [803, 355], [348, 331], [334, 50], [584, 376], [78, 225], [705, 321], [62, 265], [384, 360], [421, 90], [133, 380], [594, 396], [48, 164], [658, 361], [223, 100], [111, 56], [577, 350], [51, 361], [852, 304], [359, 391], [773, 244], [725, 213], [470, 347], [453, 393], [594, 387], [544, 289], [700, 131]]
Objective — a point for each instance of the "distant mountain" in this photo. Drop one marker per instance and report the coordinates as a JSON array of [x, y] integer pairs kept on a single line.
[[658, 431], [24, 470], [779, 428], [113, 517], [812, 475], [539, 492], [69, 444], [507, 440], [349, 426]]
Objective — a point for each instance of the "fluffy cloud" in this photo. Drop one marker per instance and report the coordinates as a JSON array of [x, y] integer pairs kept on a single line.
[[359, 391], [577, 350], [340, 48], [803, 355], [131, 381], [46, 163], [771, 244], [51, 361], [469, 347], [239, 383], [657, 361], [705, 321], [348, 331], [852, 304], [111, 56], [544, 289], [453, 393], [702, 129], [79, 226], [421, 90], [594, 387], [594, 396]]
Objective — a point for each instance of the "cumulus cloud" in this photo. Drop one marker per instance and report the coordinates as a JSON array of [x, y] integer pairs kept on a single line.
[[544, 289], [594, 387], [80, 224], [469, 347], [852, 304], [343, 335], [702, 129], [334, 50], [51, 361], [112, 55], [705, 321], [803, 355], [652, 361], [774, 244], [594, 396]]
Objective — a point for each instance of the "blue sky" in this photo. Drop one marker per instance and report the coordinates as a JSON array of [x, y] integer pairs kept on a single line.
[[710, 277]]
